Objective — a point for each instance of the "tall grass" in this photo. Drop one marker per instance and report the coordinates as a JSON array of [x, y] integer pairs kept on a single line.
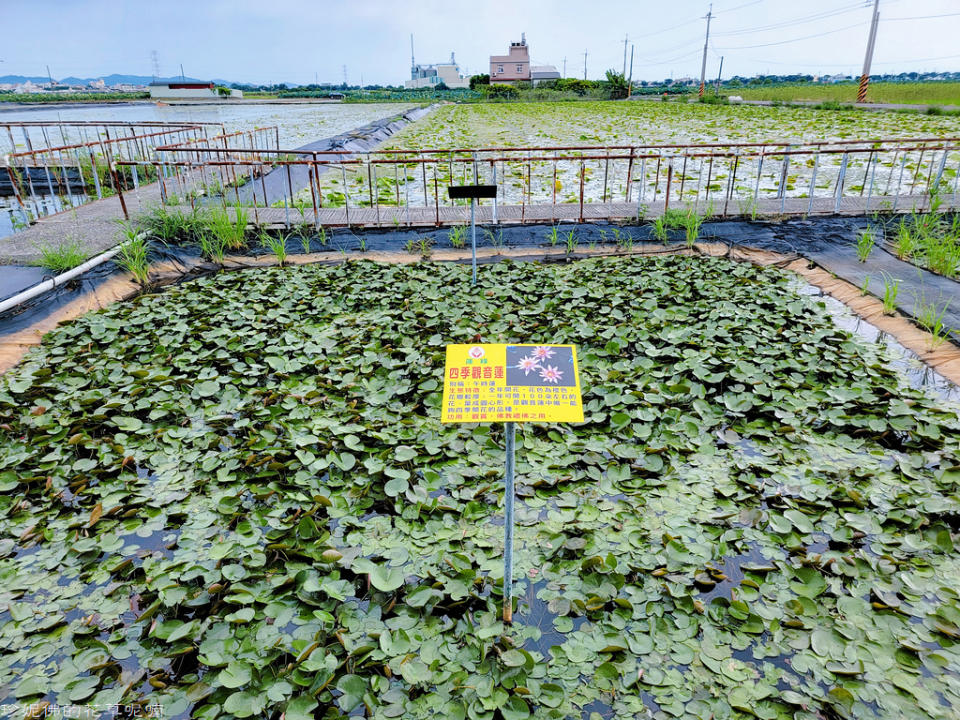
[[865, 244], [924, 93], [929, 241], [133, 253], [65, 255]]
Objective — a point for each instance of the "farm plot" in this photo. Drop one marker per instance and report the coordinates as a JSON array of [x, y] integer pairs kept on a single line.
[[607, 124], [228, 511]]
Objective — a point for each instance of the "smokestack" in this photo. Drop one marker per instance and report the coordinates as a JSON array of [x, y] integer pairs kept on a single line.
[[523, 38], [413, 63], [453, 60]]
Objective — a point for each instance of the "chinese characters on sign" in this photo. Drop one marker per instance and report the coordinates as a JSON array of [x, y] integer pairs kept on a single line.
[[511, 383]]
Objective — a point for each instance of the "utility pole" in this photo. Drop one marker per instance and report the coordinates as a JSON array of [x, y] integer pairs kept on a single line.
[[630, 81], [717, 91], [625, 55], [703, 68], [868, 60], [584, 64], [182, 76]]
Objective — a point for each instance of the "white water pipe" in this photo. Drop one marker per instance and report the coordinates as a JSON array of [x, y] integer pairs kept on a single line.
[[53, 283]]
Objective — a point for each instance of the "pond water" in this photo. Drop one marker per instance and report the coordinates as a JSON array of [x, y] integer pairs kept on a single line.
[[297, 125]]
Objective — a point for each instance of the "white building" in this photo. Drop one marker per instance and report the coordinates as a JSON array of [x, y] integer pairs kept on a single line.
[[428, 76], [179, 90]]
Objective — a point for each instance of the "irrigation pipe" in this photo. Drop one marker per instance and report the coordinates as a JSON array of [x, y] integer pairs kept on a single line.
[[62, 278]]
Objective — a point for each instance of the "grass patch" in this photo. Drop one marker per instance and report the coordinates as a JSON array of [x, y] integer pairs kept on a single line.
[[61, 257]]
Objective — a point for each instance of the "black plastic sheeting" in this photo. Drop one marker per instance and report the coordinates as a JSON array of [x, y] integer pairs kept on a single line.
[[288, 180], [829, 242]]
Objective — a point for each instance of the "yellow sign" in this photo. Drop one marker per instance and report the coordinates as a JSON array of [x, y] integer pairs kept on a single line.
[[511, 383]]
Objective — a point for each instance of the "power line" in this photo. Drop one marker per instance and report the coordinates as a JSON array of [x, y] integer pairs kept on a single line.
[[922, 17], [786, 42], [796, 21]]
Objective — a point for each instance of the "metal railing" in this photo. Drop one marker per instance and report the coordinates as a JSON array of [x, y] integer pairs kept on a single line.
[[44, 173], [566, 183], [187, 164]]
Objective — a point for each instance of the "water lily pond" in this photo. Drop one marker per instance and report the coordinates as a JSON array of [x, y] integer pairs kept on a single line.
[[235, 498]]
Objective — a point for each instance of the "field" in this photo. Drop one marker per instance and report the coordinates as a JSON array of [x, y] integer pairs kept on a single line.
[[235, 499], [937, 93], [635, 123]]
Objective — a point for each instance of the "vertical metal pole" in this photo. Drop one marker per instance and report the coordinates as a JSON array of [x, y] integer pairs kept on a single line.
[[956, 183], [784, 181], [813, 181], [346, 203], [873, 176], [696, 200], [756, 187], [473, 237], [840, 180], [643, 186], [582, 176], [943, 166], [896, 198], [494, 164], [508, 526], [96, 175]]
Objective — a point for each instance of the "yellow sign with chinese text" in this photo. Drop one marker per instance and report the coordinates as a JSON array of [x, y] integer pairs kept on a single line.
[[511, 383]]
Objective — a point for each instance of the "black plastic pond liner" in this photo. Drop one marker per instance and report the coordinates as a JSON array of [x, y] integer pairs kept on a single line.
[[831, 243]]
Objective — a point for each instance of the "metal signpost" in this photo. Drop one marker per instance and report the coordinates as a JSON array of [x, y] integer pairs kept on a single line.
[[511, 384], [474, 192]]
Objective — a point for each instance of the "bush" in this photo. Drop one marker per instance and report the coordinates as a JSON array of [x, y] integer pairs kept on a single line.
[[478, 80], [500, 92]]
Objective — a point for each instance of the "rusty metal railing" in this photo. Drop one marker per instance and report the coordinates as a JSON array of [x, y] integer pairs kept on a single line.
[[42, 172], [565, 183]]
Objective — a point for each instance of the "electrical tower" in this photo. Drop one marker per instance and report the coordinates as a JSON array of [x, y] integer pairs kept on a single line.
[[155, 65]]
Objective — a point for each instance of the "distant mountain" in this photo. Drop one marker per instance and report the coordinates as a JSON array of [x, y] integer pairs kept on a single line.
[[114, 79], [117, 79]]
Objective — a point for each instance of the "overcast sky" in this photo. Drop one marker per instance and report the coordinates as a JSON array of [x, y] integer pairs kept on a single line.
[[268, 41]]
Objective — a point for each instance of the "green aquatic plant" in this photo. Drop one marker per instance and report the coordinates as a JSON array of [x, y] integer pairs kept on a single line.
[[571, 241], [865, 244], [929, 316], [906, 243], [692, 222], [457, 236], [277, 244], [553, 234], [132, 255], [494, 238], [891, 289], [62, 256], [660, 230], [248, 470]]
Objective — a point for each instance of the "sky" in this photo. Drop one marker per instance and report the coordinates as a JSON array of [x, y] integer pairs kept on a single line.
[[300, 41]]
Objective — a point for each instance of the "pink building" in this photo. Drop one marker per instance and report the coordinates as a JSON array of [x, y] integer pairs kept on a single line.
[[513, 66]]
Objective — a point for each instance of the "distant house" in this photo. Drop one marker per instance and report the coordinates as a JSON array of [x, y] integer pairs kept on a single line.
[[513, 66], [428, 76], [539, 73], [187, 89]]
